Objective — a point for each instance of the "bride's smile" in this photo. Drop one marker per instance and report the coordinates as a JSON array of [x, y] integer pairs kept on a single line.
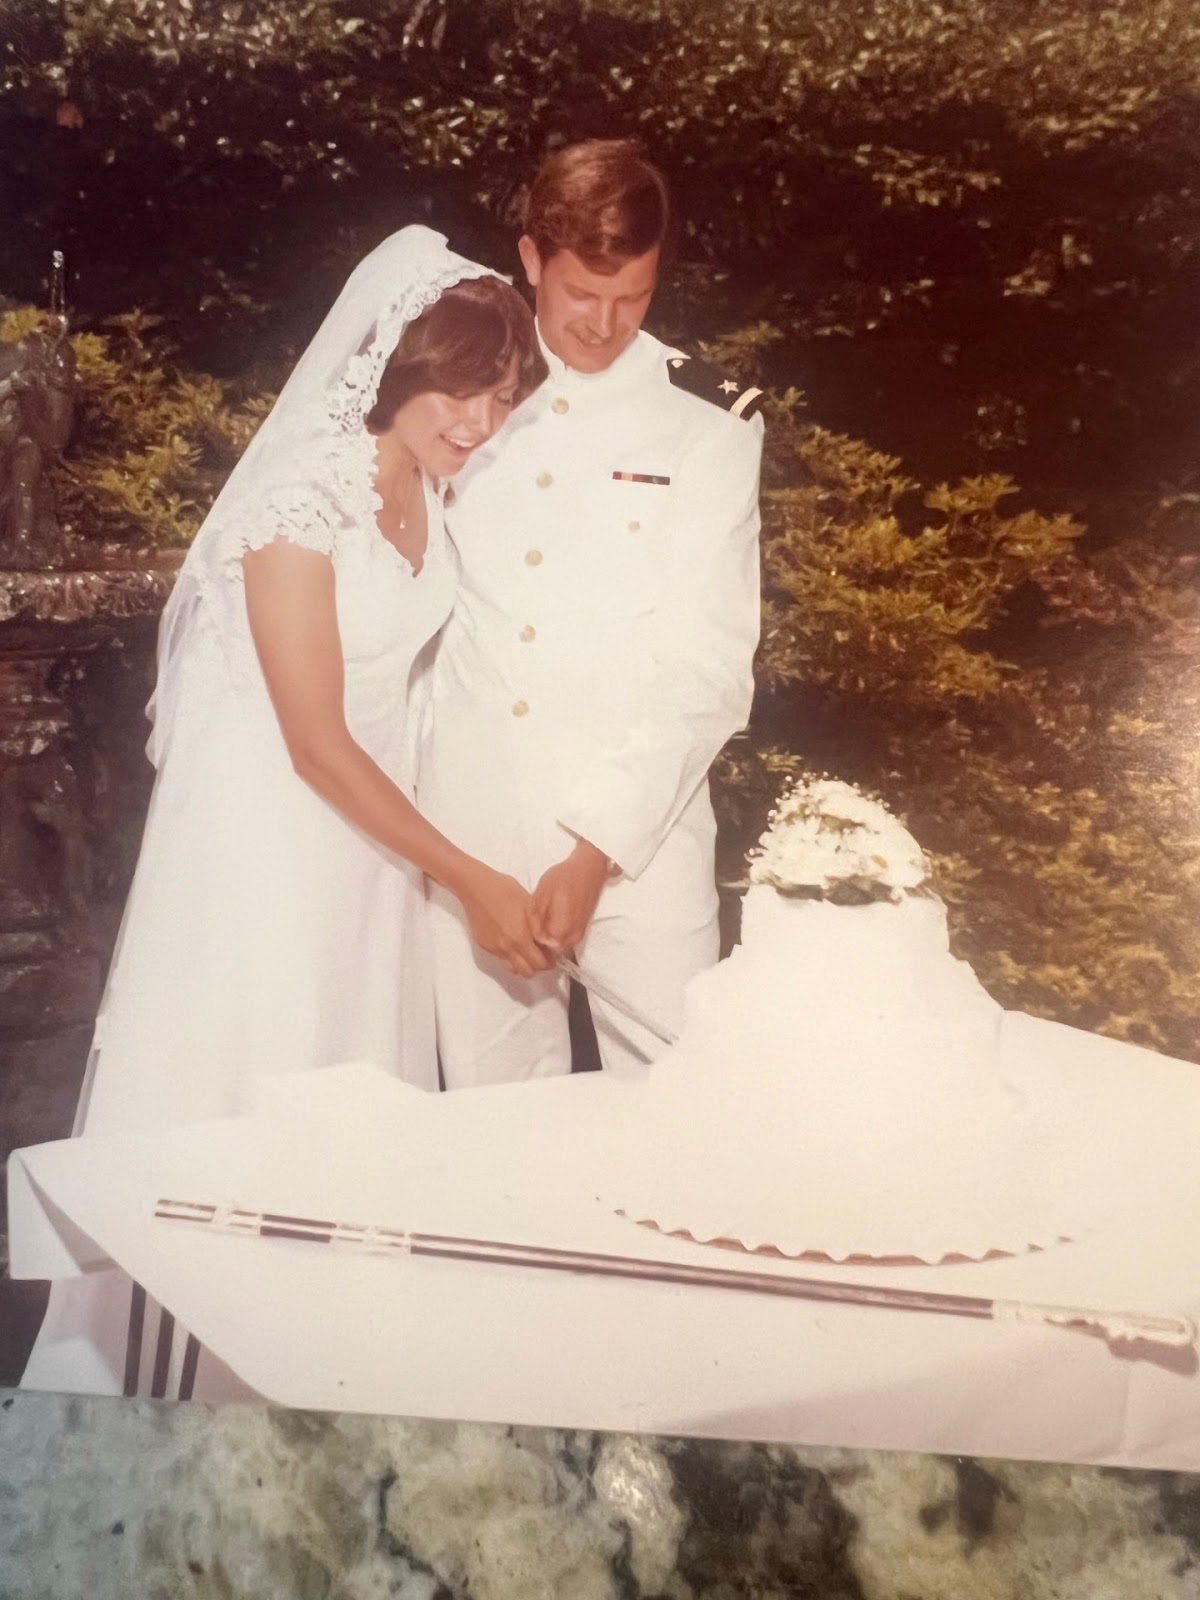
[[438, 432]]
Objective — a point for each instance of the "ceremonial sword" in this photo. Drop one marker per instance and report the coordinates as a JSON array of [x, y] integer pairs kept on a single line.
[[1116, 1327]]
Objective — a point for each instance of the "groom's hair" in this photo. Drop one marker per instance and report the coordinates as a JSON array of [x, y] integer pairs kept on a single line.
[[464, 343], [603, 201]]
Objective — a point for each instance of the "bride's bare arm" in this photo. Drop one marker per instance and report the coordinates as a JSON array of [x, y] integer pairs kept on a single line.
[[293, 619]]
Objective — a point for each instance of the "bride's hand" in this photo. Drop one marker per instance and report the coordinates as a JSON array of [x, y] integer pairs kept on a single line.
[[499, 912]]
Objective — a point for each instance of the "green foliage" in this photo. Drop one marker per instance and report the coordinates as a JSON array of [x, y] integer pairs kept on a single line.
[[768, 115], [152, 443], [865, 596], [988, 207], [1075, 902]]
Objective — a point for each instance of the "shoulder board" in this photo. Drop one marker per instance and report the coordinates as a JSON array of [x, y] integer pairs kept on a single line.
[[743, 400]]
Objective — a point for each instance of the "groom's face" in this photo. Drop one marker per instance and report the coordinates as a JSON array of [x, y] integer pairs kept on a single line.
[[587, 318]]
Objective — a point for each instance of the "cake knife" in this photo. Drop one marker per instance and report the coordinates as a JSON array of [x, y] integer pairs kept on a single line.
[[611, 997]]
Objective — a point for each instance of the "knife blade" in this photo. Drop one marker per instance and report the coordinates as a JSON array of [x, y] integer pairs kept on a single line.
[[612, 997]]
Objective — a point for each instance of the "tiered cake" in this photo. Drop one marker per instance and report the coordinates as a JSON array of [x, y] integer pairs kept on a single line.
[[837, 1088]]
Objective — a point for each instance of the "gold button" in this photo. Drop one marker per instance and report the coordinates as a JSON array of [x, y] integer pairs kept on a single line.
[[544, 480], [521, 709], [528, 633], [634, 526], [533, 558], [560, 407]]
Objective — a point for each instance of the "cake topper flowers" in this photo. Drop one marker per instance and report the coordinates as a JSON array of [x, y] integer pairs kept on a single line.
[[827, 840]]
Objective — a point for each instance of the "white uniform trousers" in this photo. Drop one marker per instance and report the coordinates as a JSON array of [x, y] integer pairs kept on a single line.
[[648, 938]]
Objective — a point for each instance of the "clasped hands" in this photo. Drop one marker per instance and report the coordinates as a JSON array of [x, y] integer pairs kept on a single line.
[[526, 931]]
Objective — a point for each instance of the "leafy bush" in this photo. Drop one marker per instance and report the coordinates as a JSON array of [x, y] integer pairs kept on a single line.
[[153, 442]]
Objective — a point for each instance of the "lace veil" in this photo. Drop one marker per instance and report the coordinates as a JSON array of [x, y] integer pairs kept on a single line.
[[308, 468]]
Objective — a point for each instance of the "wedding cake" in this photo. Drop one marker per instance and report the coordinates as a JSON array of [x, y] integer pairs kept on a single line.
[[838, 1085]]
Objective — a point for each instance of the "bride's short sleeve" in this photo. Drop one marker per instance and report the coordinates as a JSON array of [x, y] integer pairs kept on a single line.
[[306, 515]]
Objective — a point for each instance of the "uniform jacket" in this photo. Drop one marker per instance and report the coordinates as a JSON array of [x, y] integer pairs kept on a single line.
[[601, 647]]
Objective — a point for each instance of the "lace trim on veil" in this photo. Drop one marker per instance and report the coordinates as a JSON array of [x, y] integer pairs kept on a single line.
[[337, 488], [307, 475]]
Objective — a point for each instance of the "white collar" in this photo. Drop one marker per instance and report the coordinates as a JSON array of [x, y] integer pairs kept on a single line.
[[627, 364]]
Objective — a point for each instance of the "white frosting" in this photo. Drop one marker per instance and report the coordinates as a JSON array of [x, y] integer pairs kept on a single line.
[[885, 959], [837, 1085], [825, 834]]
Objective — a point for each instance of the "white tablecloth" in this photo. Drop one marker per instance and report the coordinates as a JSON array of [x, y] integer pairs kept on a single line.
[[311, 1326]]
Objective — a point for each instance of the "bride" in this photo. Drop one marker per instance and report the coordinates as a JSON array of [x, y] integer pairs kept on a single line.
[[275, 922], [275, 918]]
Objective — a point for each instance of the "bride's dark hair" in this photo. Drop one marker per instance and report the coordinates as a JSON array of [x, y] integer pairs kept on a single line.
[[464, 343]]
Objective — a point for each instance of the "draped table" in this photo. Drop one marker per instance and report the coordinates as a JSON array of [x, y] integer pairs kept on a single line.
[[318, 1326]]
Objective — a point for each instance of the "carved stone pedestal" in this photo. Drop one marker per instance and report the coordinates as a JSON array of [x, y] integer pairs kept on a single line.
[[76, 666]]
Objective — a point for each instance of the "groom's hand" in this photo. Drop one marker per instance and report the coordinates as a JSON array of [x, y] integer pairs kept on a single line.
[[500, 915], [565, 897]]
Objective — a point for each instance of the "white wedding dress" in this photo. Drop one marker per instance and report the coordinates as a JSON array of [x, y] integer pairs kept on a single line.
[[265, 933]]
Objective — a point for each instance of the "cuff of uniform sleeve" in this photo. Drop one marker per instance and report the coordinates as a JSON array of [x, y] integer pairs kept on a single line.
[[613, 868], [628, 853]]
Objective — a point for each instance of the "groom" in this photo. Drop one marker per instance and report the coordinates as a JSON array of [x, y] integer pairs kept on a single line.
[[600, 651]]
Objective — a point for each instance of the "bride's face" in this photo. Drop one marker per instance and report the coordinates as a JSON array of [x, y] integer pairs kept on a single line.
[[441, 430]]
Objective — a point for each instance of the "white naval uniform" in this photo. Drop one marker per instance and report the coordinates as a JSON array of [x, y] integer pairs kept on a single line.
[[598, 657]]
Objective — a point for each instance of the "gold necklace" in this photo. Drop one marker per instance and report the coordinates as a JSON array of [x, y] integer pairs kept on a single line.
[[407, 501]]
